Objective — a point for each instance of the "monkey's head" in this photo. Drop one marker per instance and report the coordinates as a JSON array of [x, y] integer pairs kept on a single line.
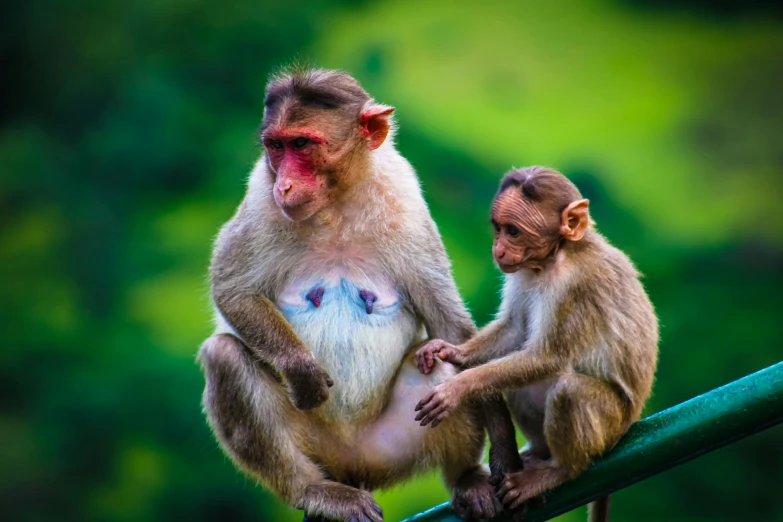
[[318, 129], [534, 212]]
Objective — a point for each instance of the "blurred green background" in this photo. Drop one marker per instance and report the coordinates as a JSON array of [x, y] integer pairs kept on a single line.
[[128, 130]]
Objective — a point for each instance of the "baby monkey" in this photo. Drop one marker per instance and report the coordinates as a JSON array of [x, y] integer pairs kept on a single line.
[[573, 347]]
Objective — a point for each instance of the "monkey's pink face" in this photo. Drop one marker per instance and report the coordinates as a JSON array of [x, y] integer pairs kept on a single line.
[[296, 157], [513, 251], [521, 240]]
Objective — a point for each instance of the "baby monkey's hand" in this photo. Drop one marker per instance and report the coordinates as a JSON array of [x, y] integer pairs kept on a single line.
[[425, 355], [441, 401]]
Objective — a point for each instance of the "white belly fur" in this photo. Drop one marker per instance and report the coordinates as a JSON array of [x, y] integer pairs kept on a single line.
[[361, 352]]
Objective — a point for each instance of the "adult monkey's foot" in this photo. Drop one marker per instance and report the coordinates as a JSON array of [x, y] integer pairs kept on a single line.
[[334, 502], [473, 497]]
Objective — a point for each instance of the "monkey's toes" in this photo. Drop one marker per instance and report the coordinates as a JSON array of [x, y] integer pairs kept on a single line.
[[363, 508], [514, 491], [336, 502], [476, 501]]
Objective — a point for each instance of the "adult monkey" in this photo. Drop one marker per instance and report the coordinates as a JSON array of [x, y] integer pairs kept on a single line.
[[328, 275]]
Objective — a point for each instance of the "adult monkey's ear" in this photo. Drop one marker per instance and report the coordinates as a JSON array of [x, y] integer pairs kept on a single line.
[[574, 220], [375, 125]]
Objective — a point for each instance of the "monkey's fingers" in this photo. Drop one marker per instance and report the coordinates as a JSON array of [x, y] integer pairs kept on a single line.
[[425, 400], [505, 487], [441, 417], [375, 513], [424, 359], [372, 515], [427, 361], [427, 405], [516, 503], [432, 415], [510, 497], [426, 411], [367, 511], [419, 360], [420, 364], [451, 355]]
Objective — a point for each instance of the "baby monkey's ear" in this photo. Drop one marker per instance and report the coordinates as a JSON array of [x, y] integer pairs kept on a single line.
[[574, 220]]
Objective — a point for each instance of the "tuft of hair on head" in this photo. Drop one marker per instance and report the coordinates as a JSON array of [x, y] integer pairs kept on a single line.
[[542, 185], [300, 87], [299, 65]]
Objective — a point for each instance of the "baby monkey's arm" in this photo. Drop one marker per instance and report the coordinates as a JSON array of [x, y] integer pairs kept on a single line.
[[494, 340], [498, 375]]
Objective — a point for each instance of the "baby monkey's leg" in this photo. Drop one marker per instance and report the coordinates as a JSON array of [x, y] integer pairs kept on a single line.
[[584, 417], [503, 450]]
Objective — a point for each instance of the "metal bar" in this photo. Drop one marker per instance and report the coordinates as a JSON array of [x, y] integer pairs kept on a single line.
[[664, 440]]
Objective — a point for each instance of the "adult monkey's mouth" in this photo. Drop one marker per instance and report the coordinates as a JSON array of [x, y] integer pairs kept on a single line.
[[294, 206]]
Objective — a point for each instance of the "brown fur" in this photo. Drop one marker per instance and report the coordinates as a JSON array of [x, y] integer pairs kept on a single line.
[[575, 343], [268, 397]]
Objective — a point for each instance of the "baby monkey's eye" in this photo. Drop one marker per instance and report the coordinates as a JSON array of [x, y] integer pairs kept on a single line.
[[496, 226], [512, 231], [298, 143]]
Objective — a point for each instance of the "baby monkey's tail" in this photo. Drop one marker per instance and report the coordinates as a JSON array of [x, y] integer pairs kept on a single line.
[[598, 510]]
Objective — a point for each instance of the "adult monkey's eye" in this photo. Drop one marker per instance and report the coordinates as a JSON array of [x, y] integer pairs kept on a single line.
[[496, 226], [298, 143], [275, 144], [512, 231]]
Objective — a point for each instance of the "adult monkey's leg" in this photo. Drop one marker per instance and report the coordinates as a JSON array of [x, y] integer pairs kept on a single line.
[[253, 419], [396, 445]]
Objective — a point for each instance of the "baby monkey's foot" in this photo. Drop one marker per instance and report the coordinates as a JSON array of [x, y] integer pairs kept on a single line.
[[515, 489], [518, 488]]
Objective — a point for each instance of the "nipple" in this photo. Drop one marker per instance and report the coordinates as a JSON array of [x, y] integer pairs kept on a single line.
[[315, 295], [369, 299]]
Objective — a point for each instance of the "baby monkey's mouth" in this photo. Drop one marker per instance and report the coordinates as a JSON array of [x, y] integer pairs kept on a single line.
[[509, 268]]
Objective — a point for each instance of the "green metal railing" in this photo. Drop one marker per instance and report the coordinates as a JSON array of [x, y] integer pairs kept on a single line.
[[664, 440]]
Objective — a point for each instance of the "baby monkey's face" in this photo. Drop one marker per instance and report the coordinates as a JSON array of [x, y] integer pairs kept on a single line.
[[524, 236]]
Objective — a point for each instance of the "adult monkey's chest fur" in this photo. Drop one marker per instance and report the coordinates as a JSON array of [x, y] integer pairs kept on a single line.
[[357, 327]]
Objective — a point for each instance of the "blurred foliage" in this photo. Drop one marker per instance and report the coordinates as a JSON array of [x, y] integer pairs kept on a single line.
[[128, 130]]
